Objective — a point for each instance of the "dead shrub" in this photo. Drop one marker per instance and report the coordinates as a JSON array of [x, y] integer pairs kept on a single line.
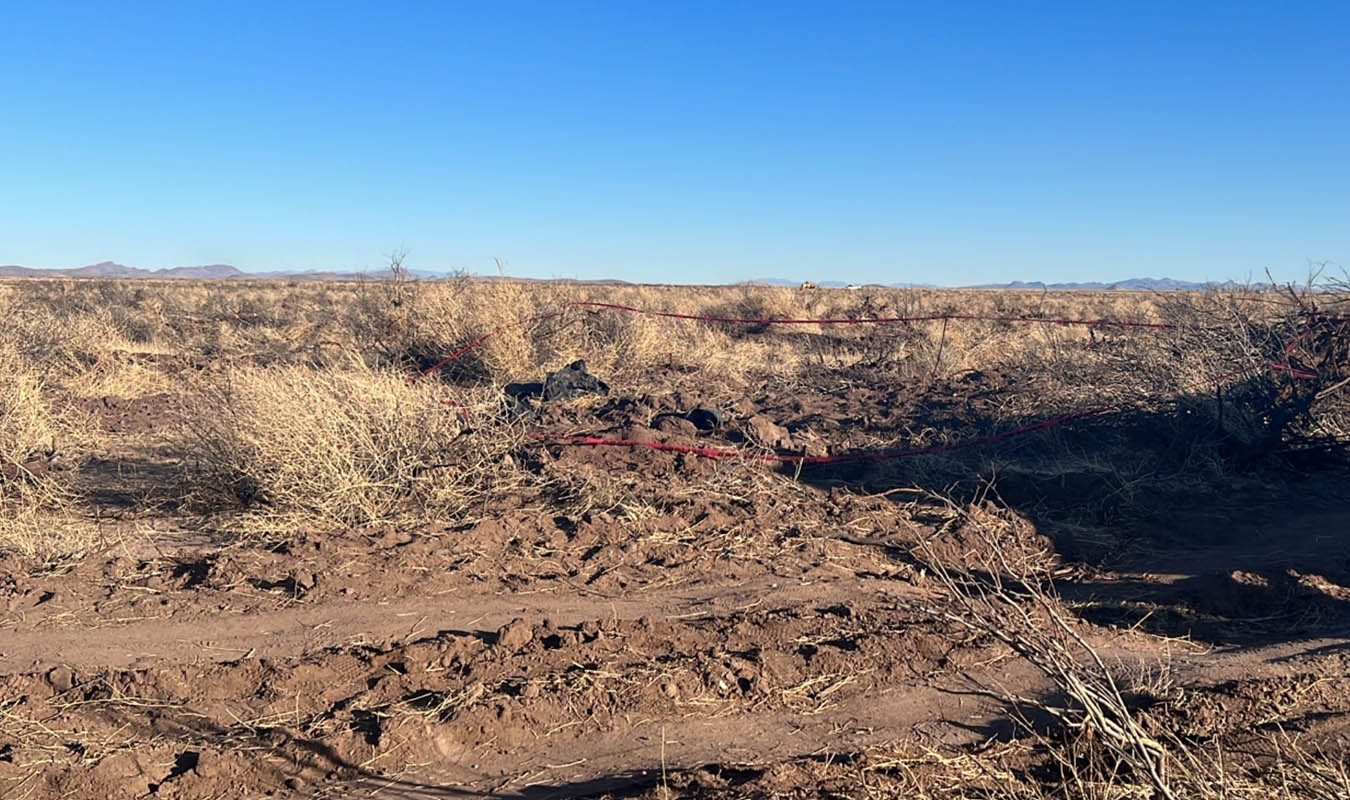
[[349, 446], [1268, 370], [40, 448], [1113, 734]]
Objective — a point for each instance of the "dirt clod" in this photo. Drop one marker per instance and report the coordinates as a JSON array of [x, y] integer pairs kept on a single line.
[[515, 635], [61, 678], [670, 423], [304, 579], [767, 432]]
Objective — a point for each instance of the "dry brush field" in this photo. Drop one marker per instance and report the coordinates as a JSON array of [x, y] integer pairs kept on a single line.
[[251, 545]]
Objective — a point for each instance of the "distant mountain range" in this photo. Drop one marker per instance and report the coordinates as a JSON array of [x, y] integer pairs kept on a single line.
[[225, 272], [109, 269], [1131, 285], [208, 272]]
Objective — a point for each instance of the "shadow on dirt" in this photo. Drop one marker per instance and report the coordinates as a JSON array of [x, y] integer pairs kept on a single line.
[[132, 485], [1176, 523]]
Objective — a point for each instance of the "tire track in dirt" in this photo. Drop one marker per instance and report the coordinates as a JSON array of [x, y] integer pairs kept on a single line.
[[1282, 659], [313, 627], [636, 756], [308, 628], [958, 710]]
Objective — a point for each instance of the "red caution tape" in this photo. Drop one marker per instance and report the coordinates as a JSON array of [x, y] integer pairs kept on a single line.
[[1096, 323], [463, 351], [712, 452]]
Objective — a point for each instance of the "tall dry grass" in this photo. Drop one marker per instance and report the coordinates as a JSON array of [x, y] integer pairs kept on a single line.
[[347, 446], [109, 324], [321, 422], [40, 448]]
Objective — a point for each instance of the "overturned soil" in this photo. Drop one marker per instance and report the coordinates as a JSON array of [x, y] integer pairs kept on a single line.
[[650, 620]]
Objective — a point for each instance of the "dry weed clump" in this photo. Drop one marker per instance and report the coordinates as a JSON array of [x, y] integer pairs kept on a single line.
[[1267, 370], [1112, 735], [97, 329], [1010, 599], [502, 330], [1016, 770], [40, 448], [29, 430], [349, 446]]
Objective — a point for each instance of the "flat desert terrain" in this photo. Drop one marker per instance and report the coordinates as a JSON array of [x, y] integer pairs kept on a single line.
[[390, 539]]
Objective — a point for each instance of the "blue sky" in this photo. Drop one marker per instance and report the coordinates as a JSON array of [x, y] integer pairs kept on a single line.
[[946, 143]]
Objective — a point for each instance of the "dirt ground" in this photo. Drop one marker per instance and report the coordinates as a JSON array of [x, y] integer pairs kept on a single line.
[[723, 640], [658, 624]]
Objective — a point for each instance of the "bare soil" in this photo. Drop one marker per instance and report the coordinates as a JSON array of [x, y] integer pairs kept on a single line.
[[681, 636]]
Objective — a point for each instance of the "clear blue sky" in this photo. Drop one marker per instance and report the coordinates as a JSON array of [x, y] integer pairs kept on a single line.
[[685, 141]]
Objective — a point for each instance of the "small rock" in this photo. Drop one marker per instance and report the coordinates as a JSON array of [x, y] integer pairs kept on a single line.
[[304, 579], [572, 381], [767, 432], [61, 678], [639, 433], [211, 766], [515, 635], [669, 423], [815, 447], [670, 689], [530, 690]]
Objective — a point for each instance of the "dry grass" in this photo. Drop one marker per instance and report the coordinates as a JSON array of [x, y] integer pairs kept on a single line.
[[343, 447], [40, 447], [299, 406], [1008, 771], [1113, 735]]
